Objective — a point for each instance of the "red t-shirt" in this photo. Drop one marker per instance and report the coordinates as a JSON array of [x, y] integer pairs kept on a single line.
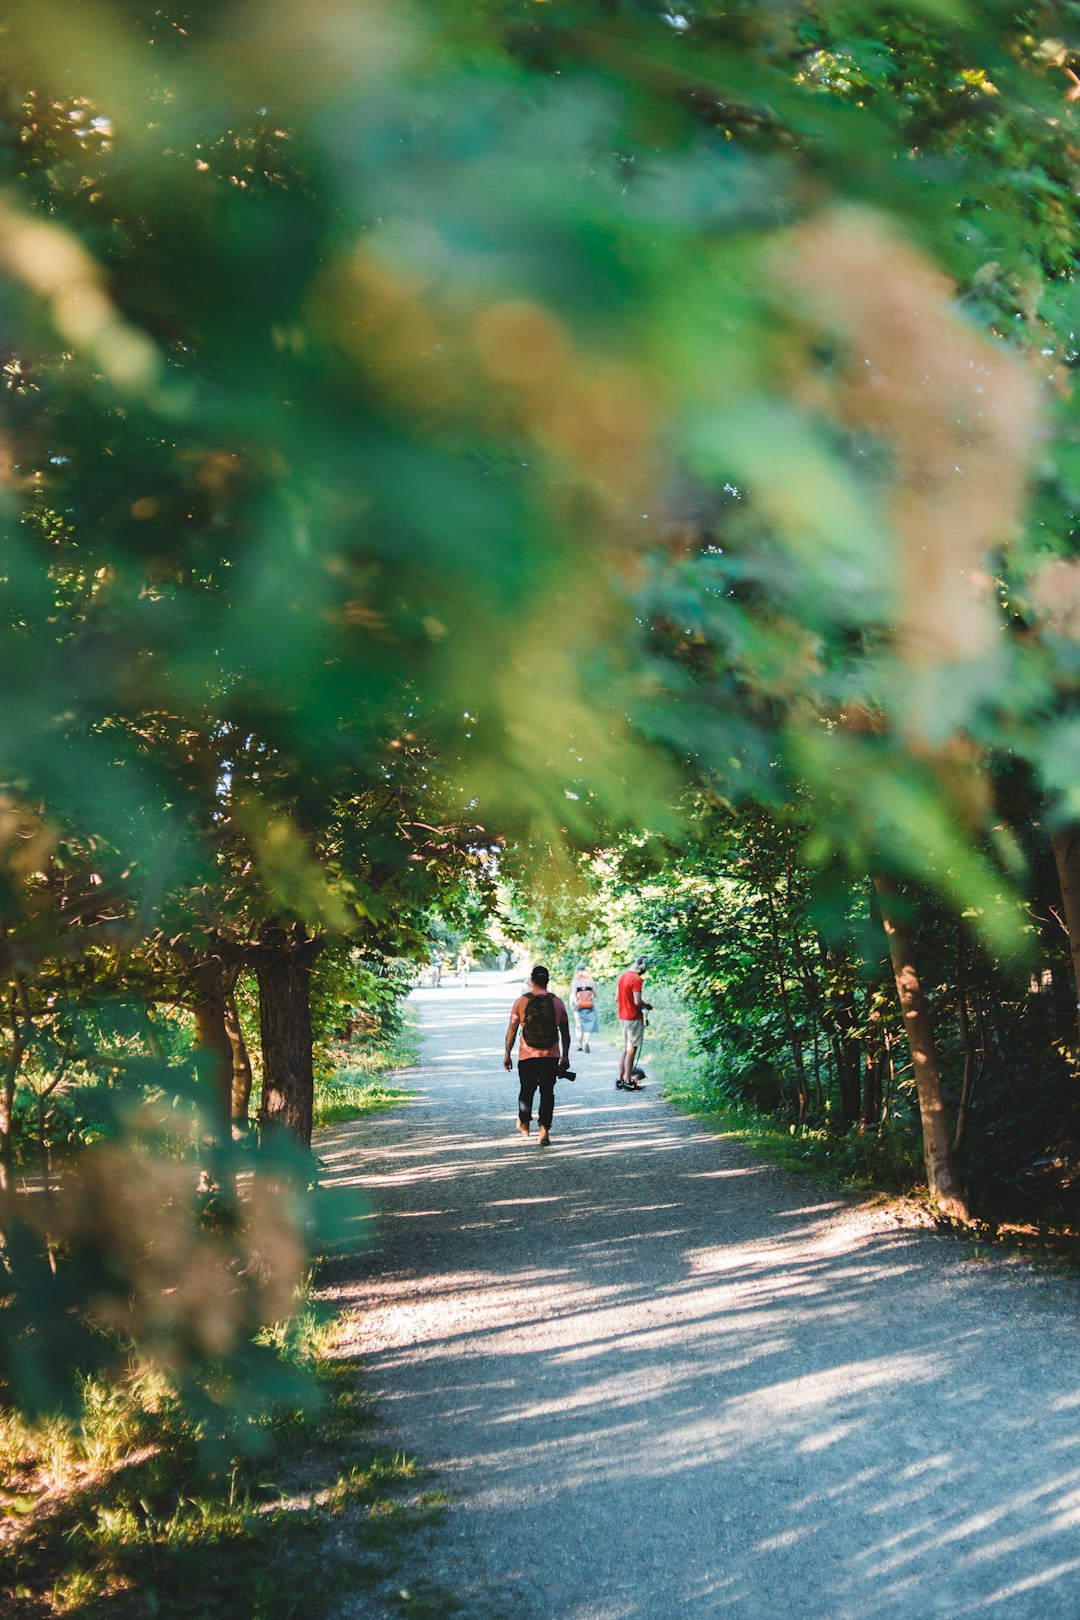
[[518, 1012], [629, 982]]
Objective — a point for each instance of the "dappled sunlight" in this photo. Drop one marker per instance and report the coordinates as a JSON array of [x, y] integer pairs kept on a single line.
[[738, 1172], [637, 1329], [1034, 1586]]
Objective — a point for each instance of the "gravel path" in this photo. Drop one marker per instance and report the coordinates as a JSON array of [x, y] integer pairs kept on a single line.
[[664, 1379]]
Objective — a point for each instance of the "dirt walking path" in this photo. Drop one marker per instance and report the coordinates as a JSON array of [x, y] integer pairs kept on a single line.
[[663, 1379]]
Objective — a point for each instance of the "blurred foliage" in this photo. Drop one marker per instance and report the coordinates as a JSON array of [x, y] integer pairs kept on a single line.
[[435, 427]]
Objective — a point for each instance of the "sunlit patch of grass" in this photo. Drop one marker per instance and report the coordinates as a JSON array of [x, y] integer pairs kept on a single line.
[[311, 1335], [368, 1481], [350, 1095], [74, 1592], [131, 1517], [116, 1419], [44, 1456], [58, 1452], [423, 1600], [359, 1085]]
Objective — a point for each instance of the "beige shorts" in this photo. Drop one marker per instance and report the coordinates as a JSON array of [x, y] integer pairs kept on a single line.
[[633, 1029]]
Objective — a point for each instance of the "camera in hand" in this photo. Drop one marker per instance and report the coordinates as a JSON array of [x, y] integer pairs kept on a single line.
[[567, 1074]]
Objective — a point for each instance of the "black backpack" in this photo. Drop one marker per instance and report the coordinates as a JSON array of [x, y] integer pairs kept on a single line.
[[538, 1028]]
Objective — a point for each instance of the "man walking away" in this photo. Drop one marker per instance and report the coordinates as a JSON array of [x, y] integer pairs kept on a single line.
[[632, 1010], [541, 1019]]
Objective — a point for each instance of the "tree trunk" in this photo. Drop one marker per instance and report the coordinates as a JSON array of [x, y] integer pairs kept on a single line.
[[7, 1124], [815, 997], [890, 1078], [241, 1063], [794, 1039], [1067, 857], [283, 971], [213, 1051], [7, 1091], [941, 1175], [848, 1060], [840, 1023], [870, 1117], [153, 1044]]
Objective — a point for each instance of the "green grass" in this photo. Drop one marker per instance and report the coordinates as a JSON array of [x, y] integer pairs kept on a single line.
[[666, 1049], [123, 1513], [359, 1086], [889, 1162], [687, 1077], [346, 1096], [122, 1516]]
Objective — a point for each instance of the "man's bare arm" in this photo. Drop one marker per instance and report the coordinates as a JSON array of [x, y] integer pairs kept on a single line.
[[511, 1037]]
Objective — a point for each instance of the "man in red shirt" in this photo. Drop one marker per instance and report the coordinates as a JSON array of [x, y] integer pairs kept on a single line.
[[541, 1018], [632, 1012]]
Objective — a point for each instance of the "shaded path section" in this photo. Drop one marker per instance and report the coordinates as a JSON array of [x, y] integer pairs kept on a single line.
[[665, 1379]]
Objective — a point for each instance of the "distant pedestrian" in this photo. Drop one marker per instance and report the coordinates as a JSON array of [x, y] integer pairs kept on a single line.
[[583, 994], [541, 1019], [436, 967], [464, 963], [632, 1010]]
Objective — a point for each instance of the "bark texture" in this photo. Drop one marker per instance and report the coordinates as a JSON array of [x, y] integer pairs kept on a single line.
[[283, 970], [943, 1181], [213, 1051], [871, 1093], [847, 1049], [7, 1088], [241, 1063], [7, 1123]]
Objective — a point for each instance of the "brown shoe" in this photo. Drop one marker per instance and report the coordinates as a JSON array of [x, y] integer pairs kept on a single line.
[[544, 1137], [523, 1126]]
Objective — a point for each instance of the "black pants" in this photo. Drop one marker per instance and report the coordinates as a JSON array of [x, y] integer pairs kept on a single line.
[[533, 1072]]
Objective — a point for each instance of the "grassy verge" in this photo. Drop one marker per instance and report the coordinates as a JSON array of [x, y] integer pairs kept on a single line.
[[360, 1085], [890, 1162], [857, 1163], [349, 1096], [121, 1512], [125, 1512]]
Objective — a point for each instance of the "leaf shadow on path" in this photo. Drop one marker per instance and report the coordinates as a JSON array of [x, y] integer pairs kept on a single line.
[[666, 1379]]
